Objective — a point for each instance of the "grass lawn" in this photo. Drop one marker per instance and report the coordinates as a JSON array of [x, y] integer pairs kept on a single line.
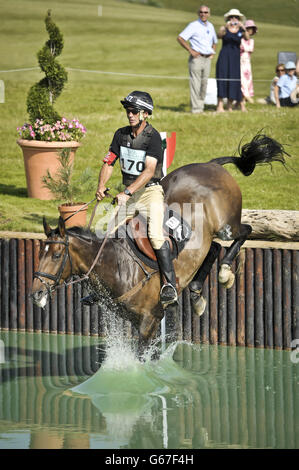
[[131, 38]]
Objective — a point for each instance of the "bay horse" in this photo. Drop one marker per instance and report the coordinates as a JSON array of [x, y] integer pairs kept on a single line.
[[133, 287]]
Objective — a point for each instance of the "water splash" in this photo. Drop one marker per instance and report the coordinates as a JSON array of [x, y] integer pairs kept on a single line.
[[128, 385], [120, 350], [128, 388]]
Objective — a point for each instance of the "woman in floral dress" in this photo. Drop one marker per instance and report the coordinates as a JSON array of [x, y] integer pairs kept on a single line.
[[246, 49]]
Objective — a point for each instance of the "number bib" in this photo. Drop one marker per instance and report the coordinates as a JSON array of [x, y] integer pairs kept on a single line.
[[132, 161]]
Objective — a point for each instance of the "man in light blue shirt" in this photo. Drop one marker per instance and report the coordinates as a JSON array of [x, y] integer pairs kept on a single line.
[[199, 39], [285, 86]]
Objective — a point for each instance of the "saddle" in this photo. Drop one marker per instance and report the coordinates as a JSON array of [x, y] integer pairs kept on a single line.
[[138, 229], [176, 230]]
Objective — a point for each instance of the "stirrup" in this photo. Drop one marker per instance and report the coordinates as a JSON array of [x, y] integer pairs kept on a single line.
[[168, 301]]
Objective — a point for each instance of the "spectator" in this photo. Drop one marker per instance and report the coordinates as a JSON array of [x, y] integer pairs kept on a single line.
[[280, 70], [295, 93], [247, 48], [228, 63], [201, 47], [287, 85]]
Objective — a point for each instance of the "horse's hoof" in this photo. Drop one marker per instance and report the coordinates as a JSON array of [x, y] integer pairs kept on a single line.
[[226, 277], [198, 303], [230, 282]]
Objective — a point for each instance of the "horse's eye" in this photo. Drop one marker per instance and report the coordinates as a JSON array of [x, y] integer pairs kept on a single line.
[[56, 256]]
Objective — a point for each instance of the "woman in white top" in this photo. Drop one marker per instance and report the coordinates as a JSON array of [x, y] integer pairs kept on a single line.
[[280, 70]]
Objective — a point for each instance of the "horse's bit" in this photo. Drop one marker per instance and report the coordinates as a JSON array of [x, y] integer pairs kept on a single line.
[[56, 278]]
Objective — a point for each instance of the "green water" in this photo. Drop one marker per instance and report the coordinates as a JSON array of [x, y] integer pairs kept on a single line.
[[56, 392]]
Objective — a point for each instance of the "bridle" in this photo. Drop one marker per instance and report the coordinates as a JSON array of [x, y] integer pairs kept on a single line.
[[56, 278], [40, 275]]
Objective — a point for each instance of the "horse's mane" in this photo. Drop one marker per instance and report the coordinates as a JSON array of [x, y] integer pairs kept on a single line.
[[83, 233]]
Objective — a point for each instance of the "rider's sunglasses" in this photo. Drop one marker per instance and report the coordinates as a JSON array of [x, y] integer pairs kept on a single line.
[[204, 12], [132, 110]]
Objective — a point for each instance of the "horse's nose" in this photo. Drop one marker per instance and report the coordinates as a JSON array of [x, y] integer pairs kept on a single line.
[[37, 296]]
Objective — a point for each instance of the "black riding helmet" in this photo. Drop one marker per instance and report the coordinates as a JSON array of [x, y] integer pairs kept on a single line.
[[139, 100]]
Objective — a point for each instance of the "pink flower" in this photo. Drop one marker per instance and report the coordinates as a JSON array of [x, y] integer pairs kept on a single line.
[[62, 130]]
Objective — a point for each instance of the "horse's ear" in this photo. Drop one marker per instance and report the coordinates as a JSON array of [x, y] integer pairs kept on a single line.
[[47, 228], [61, 227]]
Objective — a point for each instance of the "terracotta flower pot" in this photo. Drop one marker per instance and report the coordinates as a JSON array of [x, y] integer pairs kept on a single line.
[[40, 156], [77, 220]]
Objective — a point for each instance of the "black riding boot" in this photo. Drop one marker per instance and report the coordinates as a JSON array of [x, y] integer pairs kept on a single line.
[[168, 293]]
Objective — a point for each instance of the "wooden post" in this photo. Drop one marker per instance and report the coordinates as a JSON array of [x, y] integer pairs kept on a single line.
[[222, 308], [240, 287], [277, 300], [286, 299], [249, 270], [69, 309], [295, 295], [21, 286], [205, 318], [213, 284], [28, 284], [268, 296], [258, 299], [61, 310], [37, 311], [232, 317], [5, 285], [13, 283], [187, 323]]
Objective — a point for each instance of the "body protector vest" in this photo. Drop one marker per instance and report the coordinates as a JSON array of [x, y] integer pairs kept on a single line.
[[133, 152]]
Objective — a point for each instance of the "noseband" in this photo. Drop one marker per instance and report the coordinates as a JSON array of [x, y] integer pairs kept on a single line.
[[57, 278]]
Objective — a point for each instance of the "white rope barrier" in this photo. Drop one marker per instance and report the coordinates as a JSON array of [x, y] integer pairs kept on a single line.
[[19, 70], [128, 74], [168, 77]]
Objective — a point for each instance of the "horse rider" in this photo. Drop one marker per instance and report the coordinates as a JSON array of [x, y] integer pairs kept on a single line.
[[138, 147]]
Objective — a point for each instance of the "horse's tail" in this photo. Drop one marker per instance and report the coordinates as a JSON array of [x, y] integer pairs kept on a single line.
[[262, 149]]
